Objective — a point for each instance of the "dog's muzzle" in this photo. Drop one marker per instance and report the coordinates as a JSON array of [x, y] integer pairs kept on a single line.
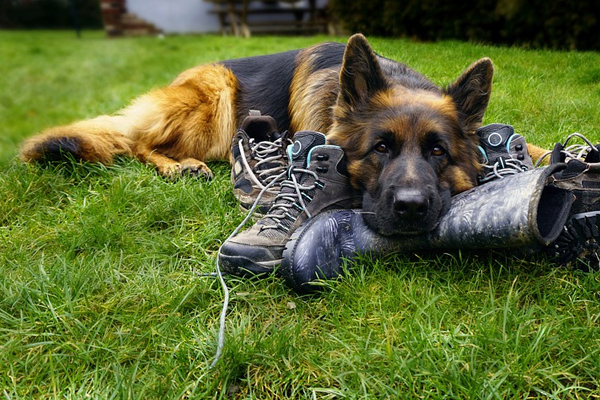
[[404, 203]]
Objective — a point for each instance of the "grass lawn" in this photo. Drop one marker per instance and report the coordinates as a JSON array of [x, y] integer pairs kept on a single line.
[[99, 293]]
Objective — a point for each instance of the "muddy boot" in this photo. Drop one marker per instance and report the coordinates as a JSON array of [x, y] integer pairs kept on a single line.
[[578, 245]]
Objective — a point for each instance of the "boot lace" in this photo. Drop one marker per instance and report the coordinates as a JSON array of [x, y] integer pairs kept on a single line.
[[501, 168], [219, 274], [577, 151], [271, 163], [292, 199]]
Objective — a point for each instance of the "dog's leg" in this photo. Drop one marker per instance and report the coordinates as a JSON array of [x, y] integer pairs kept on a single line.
[[180, 126], [170, 168], [536, 153], [176, 128], [166, 167]]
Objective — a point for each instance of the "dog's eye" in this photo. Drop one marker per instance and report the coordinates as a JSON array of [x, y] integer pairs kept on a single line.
[[438, 151], [381, 147]]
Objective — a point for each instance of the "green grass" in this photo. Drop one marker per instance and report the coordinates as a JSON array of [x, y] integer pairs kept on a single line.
[[99, 294]]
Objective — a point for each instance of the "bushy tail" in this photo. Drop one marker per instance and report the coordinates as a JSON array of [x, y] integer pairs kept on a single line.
[[94, 140]]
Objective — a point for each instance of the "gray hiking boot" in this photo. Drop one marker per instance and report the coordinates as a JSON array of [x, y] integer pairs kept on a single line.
[[316, 180], [504, 152], [579, 244], [259, 161]]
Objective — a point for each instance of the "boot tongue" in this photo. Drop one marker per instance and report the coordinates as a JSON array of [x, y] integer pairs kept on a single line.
[[304, 141], [260, 127], [556, 156]]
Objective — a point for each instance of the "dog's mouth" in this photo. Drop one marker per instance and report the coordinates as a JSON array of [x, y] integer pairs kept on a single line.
[[395, 226], [405, 212]]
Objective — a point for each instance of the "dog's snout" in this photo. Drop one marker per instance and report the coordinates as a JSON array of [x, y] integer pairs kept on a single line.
[[410, 203]]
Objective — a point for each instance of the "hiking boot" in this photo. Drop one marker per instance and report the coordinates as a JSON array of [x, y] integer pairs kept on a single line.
[[316, 180], [259, 161], [504, 152], [579, 244], [586, 152]]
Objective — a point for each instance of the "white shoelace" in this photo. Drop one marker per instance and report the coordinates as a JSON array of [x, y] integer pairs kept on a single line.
[[287, 200], [575, 151], [499, 171], [284, 202], [266, 152], [219, 274]]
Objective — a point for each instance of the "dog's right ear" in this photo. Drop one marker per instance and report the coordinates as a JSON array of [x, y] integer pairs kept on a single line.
[[360, 76]]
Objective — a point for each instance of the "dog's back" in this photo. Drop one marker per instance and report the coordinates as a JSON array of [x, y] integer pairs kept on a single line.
[[293, 87]]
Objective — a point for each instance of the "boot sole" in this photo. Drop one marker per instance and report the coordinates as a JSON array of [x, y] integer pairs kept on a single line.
[[578, 246], [243, 266]]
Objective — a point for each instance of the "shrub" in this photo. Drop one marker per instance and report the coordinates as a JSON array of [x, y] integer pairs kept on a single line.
[[49, 14], [558, 24]]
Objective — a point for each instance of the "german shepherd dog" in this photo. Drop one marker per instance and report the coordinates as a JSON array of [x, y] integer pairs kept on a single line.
[[410, 145]]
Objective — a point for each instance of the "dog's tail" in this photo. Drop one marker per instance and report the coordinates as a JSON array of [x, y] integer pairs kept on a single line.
[[94, 140]]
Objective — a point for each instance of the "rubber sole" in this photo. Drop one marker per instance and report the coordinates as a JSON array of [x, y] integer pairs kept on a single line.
[[578, 246], [243, 266]]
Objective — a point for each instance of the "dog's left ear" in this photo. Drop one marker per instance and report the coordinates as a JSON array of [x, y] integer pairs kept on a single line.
[[471, 93], [360, 76]]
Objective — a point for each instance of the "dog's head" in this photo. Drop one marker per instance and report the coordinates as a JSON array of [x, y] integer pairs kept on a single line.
[[410, 144]]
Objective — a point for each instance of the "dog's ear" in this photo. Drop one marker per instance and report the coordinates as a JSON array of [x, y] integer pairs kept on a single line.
[[360, 76], [471, 93]]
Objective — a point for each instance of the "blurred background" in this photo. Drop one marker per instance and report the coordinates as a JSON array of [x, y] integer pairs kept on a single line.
[[553, 24]]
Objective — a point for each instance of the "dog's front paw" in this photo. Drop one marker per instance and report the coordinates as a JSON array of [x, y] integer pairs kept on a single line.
[[193, 167], [170, 171]]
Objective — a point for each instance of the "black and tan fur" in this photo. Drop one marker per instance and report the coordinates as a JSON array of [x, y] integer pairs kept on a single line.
[[410, 145]]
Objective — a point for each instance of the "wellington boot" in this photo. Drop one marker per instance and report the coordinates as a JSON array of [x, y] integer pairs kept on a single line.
[[519, 211]]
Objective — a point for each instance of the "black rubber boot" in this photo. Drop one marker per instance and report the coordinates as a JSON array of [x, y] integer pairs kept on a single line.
[[521, 210]]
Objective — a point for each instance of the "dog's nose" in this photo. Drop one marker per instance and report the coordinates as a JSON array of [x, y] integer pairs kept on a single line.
[[410, 203]]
